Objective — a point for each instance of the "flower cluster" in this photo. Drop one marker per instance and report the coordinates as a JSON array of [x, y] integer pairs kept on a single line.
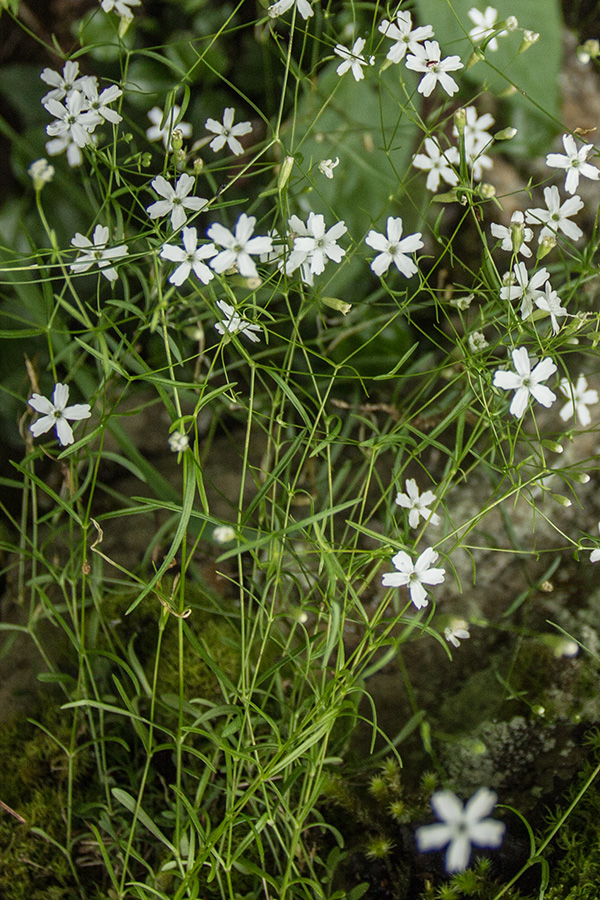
[[424, 57]]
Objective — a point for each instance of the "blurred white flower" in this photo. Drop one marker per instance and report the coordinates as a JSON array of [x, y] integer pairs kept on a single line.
[[394, 248], [121, 7], [462, 303], [176, 200], [41, 172], [223, 534], [484, 23], [414, 575], [580, 396], [326, 166], [239, 247], [404, 36], [574, 163], [190, 257], [457, 631], [227, 132], [58, 145], [233, 324], [525, 381], [55, 413], [418, 504], [435, 70], [303, 7], [460, 827], [353, 59], [477, 342], [178, 442], [97, 252], [164, 134]]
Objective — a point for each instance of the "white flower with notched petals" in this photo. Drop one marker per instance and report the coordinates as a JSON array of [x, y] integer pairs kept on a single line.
[[73, 119], [55, 413], [190, 258], [233, 324], [484, 23], [437, 164], [121, 7], [353, 59], [316, 247], [64, 84], [549, 302], [418, 504], [239, 247], [457, 631], [303, 7], [165, 133], [394, 248], [574, 163], [428, 60], [99, 103], [414, 575], [580, 396], [176, 200], [519, 286], [526, 382], [227, 132], [516, 236], [556, 216], [405, 37], [97, 253], [460, 827]]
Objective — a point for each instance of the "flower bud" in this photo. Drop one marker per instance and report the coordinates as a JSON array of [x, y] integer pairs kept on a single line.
[[176, 140], [338, 305], [580, 477], [562, 500], [546, 245], [553, 446], [589, 50], [198, 165], [284, 172], [460, 120], [124, 25], [529, 39], [507, 134], [517, 233], [486, 190]]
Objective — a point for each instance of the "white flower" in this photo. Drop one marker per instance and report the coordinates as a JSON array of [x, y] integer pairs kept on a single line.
[[56, 412], [98, 103], [580, 397], [477, 138], [462, 303], [520, 286], [414, 575], [526, 382], [477, 342], [164, 134], [556, 217], [437, 164], [516, 237], [190, 257], [176, 199], [178, 442], [233, 324], [64, 84], [58, 145], [574, 163], [223, 534], [121, 7], [303, 7], [41, 172], [353, 59], [460, 827], [417, 504], [428, 60], [97, 252], [239, 247], [595, 554], [394, 248], [484, 26], [549, 301], [72, 119], [404, 36], [313, 249], [227, 133], [457, 631], [326, 166]]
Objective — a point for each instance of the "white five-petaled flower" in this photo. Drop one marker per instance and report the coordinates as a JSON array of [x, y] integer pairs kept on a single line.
[[64, 84], [303, 7], [579, 397], [516, 236], [189, 257], [394, 248], [556, 217], [428, 60], [73, 119], [353, 59], [313, 249], [164, 134], [176, 199], [121, 7], [239, 247], [414, 575], [326, 166], [437, 164], [484, 23], [549, 302], [97, 252], [418, 504], [98, 103], [55, 413], [404, 36], [227, 132], [574, 162], [233, 324], [521, 287], [460, 827], [525, 381], [457, 631]]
